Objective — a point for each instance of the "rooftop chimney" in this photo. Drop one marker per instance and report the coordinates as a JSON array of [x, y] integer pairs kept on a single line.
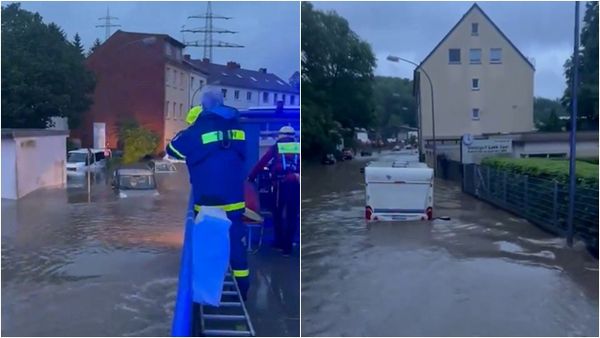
[[233, 65], [263, 70]]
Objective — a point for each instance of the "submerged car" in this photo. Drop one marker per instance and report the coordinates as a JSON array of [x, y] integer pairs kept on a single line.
[[134, 182], [162, 167]]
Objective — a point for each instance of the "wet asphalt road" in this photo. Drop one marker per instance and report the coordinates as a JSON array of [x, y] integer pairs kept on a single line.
[[110, 267], [484, 272]]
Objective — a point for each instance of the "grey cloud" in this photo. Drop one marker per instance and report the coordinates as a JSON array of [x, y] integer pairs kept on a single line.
[[270, 31], [541, 30]]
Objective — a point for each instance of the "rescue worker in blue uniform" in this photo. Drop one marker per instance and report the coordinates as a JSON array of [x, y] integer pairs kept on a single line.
[[214, 150], [283, 159]]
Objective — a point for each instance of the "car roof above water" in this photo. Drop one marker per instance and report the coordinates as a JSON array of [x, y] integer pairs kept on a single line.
[[134, 172]]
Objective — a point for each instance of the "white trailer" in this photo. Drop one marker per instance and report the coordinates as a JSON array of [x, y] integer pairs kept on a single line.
[[399, 190]]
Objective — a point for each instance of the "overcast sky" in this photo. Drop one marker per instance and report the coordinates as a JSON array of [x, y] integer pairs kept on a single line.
[[541, 30], [268, 30]]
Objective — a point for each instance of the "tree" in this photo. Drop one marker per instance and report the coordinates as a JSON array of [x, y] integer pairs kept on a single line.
[[552, 123], [587, 96], [337, 76], [395, 105], [77, 43], [43, 74], [138, 141], [95, 46], [543, 108]]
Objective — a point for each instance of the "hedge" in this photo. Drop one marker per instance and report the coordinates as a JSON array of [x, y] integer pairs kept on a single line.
[[586, 173]]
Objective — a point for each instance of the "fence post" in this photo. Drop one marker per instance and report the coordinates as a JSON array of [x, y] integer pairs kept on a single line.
[[504, 187], [487, 183], [525, 193], [555, 205]]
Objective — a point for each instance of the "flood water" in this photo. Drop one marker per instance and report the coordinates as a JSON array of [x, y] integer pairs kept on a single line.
[[110, 267], [484, 272]]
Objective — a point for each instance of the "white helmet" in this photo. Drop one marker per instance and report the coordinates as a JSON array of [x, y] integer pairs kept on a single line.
[[287, 131]]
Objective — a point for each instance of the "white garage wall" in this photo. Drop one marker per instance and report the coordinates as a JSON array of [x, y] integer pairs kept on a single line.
[[40, 162]]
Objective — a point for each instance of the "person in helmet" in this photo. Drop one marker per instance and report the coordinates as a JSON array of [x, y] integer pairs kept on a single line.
[[213, 147], [283, 160]]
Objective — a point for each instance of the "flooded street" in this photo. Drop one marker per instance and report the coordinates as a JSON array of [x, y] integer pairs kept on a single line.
[[484, 272], [110, 267]]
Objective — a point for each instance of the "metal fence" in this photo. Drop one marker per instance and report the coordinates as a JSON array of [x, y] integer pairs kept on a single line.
[[541, 201]]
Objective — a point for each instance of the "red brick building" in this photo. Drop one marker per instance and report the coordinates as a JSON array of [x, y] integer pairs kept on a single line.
[[135, 75]]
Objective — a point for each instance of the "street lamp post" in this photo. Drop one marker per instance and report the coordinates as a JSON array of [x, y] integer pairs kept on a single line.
[[418, 67]]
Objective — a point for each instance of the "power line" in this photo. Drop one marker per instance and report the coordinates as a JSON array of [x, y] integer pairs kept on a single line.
[[208, 43], [107, 23]]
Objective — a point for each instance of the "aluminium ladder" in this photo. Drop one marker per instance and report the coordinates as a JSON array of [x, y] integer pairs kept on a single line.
[[230, 319]]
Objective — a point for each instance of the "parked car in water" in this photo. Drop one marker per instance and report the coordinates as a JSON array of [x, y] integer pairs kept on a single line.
[[162, 167], [396, 148], [328, 159], [134, 182], [81, 160]]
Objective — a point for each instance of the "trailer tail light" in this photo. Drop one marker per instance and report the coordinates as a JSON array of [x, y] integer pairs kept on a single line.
[[368, 213], [430, 213]]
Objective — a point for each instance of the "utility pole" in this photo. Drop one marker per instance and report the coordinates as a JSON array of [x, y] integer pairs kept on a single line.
[[107, 23], [572, 143], [208, 42]]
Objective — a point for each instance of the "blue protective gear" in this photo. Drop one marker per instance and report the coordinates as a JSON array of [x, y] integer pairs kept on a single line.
[[214, 150]]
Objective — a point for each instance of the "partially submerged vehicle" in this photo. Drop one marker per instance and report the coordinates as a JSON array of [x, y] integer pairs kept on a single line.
[[131, 182], [162, 167], [399, 190], [329, 159], [85, 159]]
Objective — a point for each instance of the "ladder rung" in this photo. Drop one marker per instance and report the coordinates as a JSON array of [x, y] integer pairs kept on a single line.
[[229, 293], [223, 317], [227, 333], [228, 283], [231, 304]]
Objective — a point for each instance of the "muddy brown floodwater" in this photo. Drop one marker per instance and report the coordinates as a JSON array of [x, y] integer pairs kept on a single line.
[[484, 272], [110, 267]]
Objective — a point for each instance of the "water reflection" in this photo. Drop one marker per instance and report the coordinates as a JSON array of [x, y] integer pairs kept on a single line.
[[484, 272]]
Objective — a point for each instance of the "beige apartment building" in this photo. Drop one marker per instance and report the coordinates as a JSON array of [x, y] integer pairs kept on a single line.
[[482, 83]]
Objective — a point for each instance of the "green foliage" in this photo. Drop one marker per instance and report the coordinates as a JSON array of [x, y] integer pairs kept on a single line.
[[593, 160], [552, 123], [546, 114], [586, 173], [138, 142], [395, 105], [337, 76], [587, 96], [43, 74], [77, 43], [95, 46]]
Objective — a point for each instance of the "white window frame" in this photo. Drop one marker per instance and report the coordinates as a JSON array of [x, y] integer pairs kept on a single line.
[[475, 114], [236, 95], [473, 87], [494, 60], [473, 61], [248, 96]]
